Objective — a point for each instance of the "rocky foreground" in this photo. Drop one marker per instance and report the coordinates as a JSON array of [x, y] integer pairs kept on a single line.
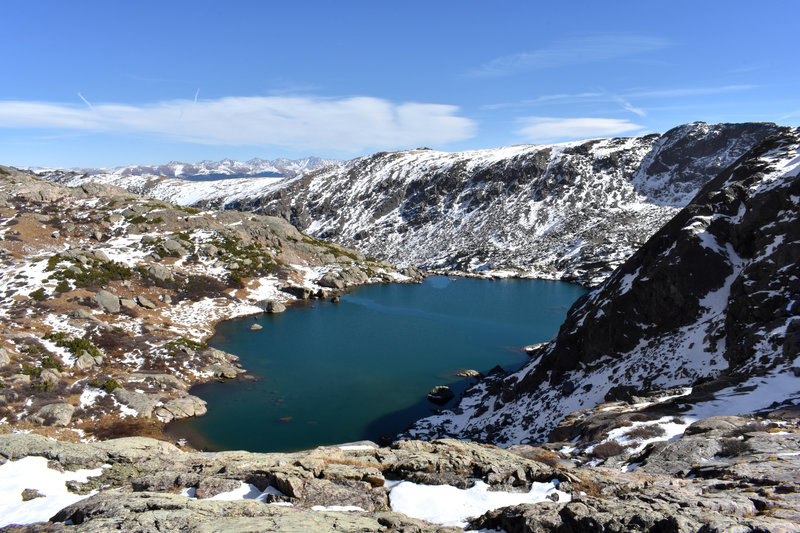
[[722, 474]]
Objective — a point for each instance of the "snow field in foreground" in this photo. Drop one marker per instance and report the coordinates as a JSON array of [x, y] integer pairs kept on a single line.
[[33, 473], [451, 506], [441, 504]]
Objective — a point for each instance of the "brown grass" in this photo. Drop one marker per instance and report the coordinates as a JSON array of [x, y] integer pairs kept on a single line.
[[608, 449], [129, 427], [646, 432], [546, 457], [643, 417], [733, 448]]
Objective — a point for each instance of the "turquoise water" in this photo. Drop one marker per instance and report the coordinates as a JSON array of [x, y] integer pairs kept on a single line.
[[332, 373]]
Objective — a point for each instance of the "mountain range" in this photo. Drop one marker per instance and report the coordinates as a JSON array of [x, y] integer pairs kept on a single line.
[[572, 211], [211, 170]]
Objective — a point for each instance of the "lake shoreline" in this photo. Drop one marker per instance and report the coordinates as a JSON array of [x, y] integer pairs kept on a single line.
[[509, 355]]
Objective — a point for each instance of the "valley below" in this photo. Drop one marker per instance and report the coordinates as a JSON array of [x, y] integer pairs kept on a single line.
[[668, 400]]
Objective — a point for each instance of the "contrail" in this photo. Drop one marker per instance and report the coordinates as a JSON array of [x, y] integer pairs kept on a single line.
[[196, 94], [630, 107], [85, 101]]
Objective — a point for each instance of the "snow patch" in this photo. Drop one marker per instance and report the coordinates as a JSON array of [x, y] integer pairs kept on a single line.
[[451, 506], [33, 473]]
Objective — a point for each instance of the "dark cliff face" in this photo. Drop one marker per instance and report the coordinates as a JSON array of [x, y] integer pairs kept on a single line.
[[714, 295], [571, 212], [734, 240]]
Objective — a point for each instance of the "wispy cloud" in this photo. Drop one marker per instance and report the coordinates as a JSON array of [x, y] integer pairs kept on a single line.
[[791, 114], [346, 124], [623, 97], [549, 98], [687, 91], [550, 129], [588, 49]]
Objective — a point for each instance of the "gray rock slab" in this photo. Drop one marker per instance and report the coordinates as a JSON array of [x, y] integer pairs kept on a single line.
[[107, 301], [182, 408], [146, 302], [160, 272], [55, 414], [5, 356], [142, 403], [271, 306]]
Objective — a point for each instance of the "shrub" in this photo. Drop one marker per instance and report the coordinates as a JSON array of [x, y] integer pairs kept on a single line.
[[235, 281], [63, 286], [643, 417], [32, 371], [181, 344], [608, 449], [48, 361], [96, 273], [75, 346], [42, 386], [38, 294], [108, 385], [646, 432], [111, 385], [189, 210], [197, 287], [52, 262], [733, 448], [751, 427]]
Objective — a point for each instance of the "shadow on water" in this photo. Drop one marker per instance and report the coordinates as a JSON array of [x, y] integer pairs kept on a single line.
[[384, 430]]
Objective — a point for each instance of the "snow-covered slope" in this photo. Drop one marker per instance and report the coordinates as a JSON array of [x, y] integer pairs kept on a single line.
[[227, 168], [712, 301], [210, 194], [570, 211]]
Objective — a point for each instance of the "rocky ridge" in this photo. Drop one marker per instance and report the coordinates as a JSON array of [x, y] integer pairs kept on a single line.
[[107, 298], [571, 211], [709, 303]]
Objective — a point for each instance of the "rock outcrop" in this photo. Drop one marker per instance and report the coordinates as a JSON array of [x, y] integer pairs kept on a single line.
[[54, 414]]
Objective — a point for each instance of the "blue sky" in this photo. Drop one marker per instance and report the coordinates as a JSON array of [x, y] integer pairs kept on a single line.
[[111, 83]]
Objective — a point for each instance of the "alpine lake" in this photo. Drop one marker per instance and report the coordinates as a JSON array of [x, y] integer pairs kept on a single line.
[[361, 369]]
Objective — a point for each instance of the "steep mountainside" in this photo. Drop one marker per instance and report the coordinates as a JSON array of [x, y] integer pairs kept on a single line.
[[712, 302], [571, 211]]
